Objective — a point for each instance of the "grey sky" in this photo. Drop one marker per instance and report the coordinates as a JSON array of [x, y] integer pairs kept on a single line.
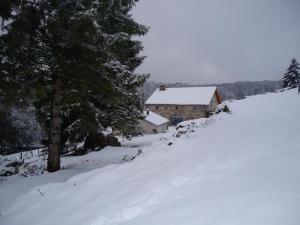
[[207, 41]]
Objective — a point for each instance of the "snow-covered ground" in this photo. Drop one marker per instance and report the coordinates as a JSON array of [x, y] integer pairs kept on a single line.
[[12, 187], [231, 169]]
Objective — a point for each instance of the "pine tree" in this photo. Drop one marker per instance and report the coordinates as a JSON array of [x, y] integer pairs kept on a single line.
[[292, 77], [72, 57], [9, 135]]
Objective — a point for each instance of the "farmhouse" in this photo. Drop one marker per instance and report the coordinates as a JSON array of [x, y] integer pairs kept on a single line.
[[153, 123], [179, 104]]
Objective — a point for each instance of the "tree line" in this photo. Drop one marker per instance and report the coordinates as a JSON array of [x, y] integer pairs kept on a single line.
[[228, 91], [241, 89]]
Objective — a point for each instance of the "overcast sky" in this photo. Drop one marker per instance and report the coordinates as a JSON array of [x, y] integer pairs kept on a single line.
[[215, 41]]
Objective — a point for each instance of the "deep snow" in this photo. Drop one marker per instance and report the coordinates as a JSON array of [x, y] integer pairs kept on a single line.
[[17, 185], [238, 168]]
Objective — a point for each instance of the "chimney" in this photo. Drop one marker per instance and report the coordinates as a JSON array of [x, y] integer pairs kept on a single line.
[[162, 87]]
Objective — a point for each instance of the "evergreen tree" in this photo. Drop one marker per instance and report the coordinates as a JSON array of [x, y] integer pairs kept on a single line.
[[292, 77], [9, 135], [75, 61], [15, 133]]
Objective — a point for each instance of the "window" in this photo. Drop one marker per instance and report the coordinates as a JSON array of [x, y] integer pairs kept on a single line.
[[166, 107], [176, 107], [156, 107], [195, 108], [176, 119]]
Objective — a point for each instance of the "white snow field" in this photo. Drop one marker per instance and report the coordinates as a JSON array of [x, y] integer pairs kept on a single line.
[[241, 168], [14, 186]]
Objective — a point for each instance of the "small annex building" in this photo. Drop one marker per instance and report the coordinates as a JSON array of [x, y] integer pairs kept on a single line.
[[184, 103], [153, 123]]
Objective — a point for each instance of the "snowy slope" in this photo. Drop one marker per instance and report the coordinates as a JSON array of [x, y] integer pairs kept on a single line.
[[15, 186], [232, 169]]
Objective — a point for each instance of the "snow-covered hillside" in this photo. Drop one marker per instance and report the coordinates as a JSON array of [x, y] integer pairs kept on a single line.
[[231, 169]]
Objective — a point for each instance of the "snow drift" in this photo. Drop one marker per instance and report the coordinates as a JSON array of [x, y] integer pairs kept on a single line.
[[238, 168]]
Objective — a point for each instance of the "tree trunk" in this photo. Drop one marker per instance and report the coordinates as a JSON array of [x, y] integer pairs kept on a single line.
[[55, 129]]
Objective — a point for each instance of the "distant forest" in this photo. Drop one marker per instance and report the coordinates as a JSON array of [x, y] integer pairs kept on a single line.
[[237, 90]]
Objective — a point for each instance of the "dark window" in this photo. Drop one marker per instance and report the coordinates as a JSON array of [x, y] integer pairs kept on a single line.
[[176, 119], [156, 107], [176, 107]]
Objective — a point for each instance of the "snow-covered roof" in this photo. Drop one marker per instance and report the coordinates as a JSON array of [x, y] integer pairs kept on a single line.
[[182, 96], [155, 118]]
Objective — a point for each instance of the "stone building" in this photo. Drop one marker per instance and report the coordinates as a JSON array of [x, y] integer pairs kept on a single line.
[[179, 104], [153, 123]]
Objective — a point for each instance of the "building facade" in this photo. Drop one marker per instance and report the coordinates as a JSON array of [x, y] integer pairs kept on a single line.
[[150, 128], [153, 123], [179, 104]]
